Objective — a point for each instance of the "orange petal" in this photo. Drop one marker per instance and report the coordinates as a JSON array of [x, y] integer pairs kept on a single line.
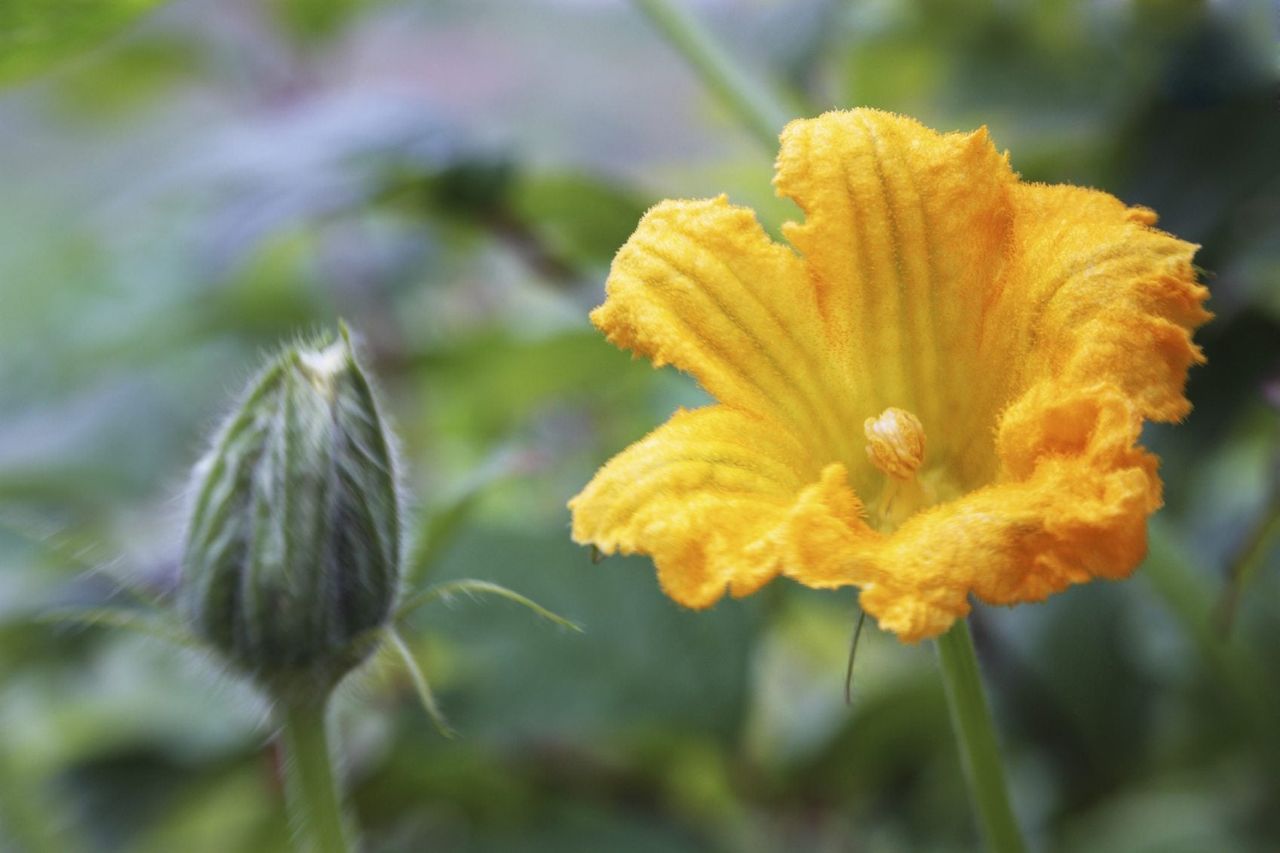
[[700, 494], [904, 233], [1077, 511], [701, 286], [1096, 294]]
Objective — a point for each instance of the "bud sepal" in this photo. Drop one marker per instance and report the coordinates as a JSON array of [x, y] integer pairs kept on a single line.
[[293, 552]]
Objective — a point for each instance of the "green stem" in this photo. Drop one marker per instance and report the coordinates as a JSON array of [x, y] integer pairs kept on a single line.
[[315, 807], [979, 750], [762, 113]]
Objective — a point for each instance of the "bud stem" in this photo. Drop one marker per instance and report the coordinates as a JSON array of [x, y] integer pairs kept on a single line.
[[315, 806]]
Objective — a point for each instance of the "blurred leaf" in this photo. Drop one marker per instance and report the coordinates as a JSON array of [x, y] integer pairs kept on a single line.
[[60, 555], [1080, 686], [27, 822], [682, 669], [273, 294], [127, 693], [444, 520], [235, 809], [112, 83], [472, 187], [581, 219], [917, 69], [493, 382], [317, 20], [1183, 816], [36, 34]]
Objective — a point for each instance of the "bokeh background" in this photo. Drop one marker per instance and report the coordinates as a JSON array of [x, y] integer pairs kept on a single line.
[[185, 185]]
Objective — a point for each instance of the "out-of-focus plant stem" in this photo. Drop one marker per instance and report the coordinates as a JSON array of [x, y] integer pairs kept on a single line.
[[1256, 548], [315, 806], [1189, 598], [752, 102], [976, 737]]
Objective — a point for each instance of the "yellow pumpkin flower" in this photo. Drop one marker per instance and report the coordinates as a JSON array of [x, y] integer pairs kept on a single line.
[[938, 391]]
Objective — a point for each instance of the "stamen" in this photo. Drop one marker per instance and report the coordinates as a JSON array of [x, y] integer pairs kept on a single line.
[[895, 443]]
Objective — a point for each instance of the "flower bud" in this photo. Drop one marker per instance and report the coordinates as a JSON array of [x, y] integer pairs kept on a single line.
[[293, 546]]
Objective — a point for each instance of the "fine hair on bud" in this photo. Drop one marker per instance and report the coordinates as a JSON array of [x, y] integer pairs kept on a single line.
[[293, 549]]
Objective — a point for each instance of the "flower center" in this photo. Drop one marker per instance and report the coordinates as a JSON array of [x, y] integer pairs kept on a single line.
[[895, 445], [895, 442]]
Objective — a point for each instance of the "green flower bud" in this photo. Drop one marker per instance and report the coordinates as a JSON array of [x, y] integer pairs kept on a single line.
[[293, 548]]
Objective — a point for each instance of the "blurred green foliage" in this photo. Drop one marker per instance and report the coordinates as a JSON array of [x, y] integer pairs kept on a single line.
[[185, 189], [35, 34]]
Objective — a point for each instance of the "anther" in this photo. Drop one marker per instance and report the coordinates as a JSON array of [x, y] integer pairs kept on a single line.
[[895, 443]]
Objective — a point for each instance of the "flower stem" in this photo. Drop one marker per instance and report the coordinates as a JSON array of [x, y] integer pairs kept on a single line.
[[760, 111], [979, 750], [315, 807]]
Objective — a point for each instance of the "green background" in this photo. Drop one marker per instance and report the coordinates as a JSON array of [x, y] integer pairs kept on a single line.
[[183, 186]]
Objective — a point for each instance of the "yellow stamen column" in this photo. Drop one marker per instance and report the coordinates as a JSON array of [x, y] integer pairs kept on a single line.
[[896, 445]]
